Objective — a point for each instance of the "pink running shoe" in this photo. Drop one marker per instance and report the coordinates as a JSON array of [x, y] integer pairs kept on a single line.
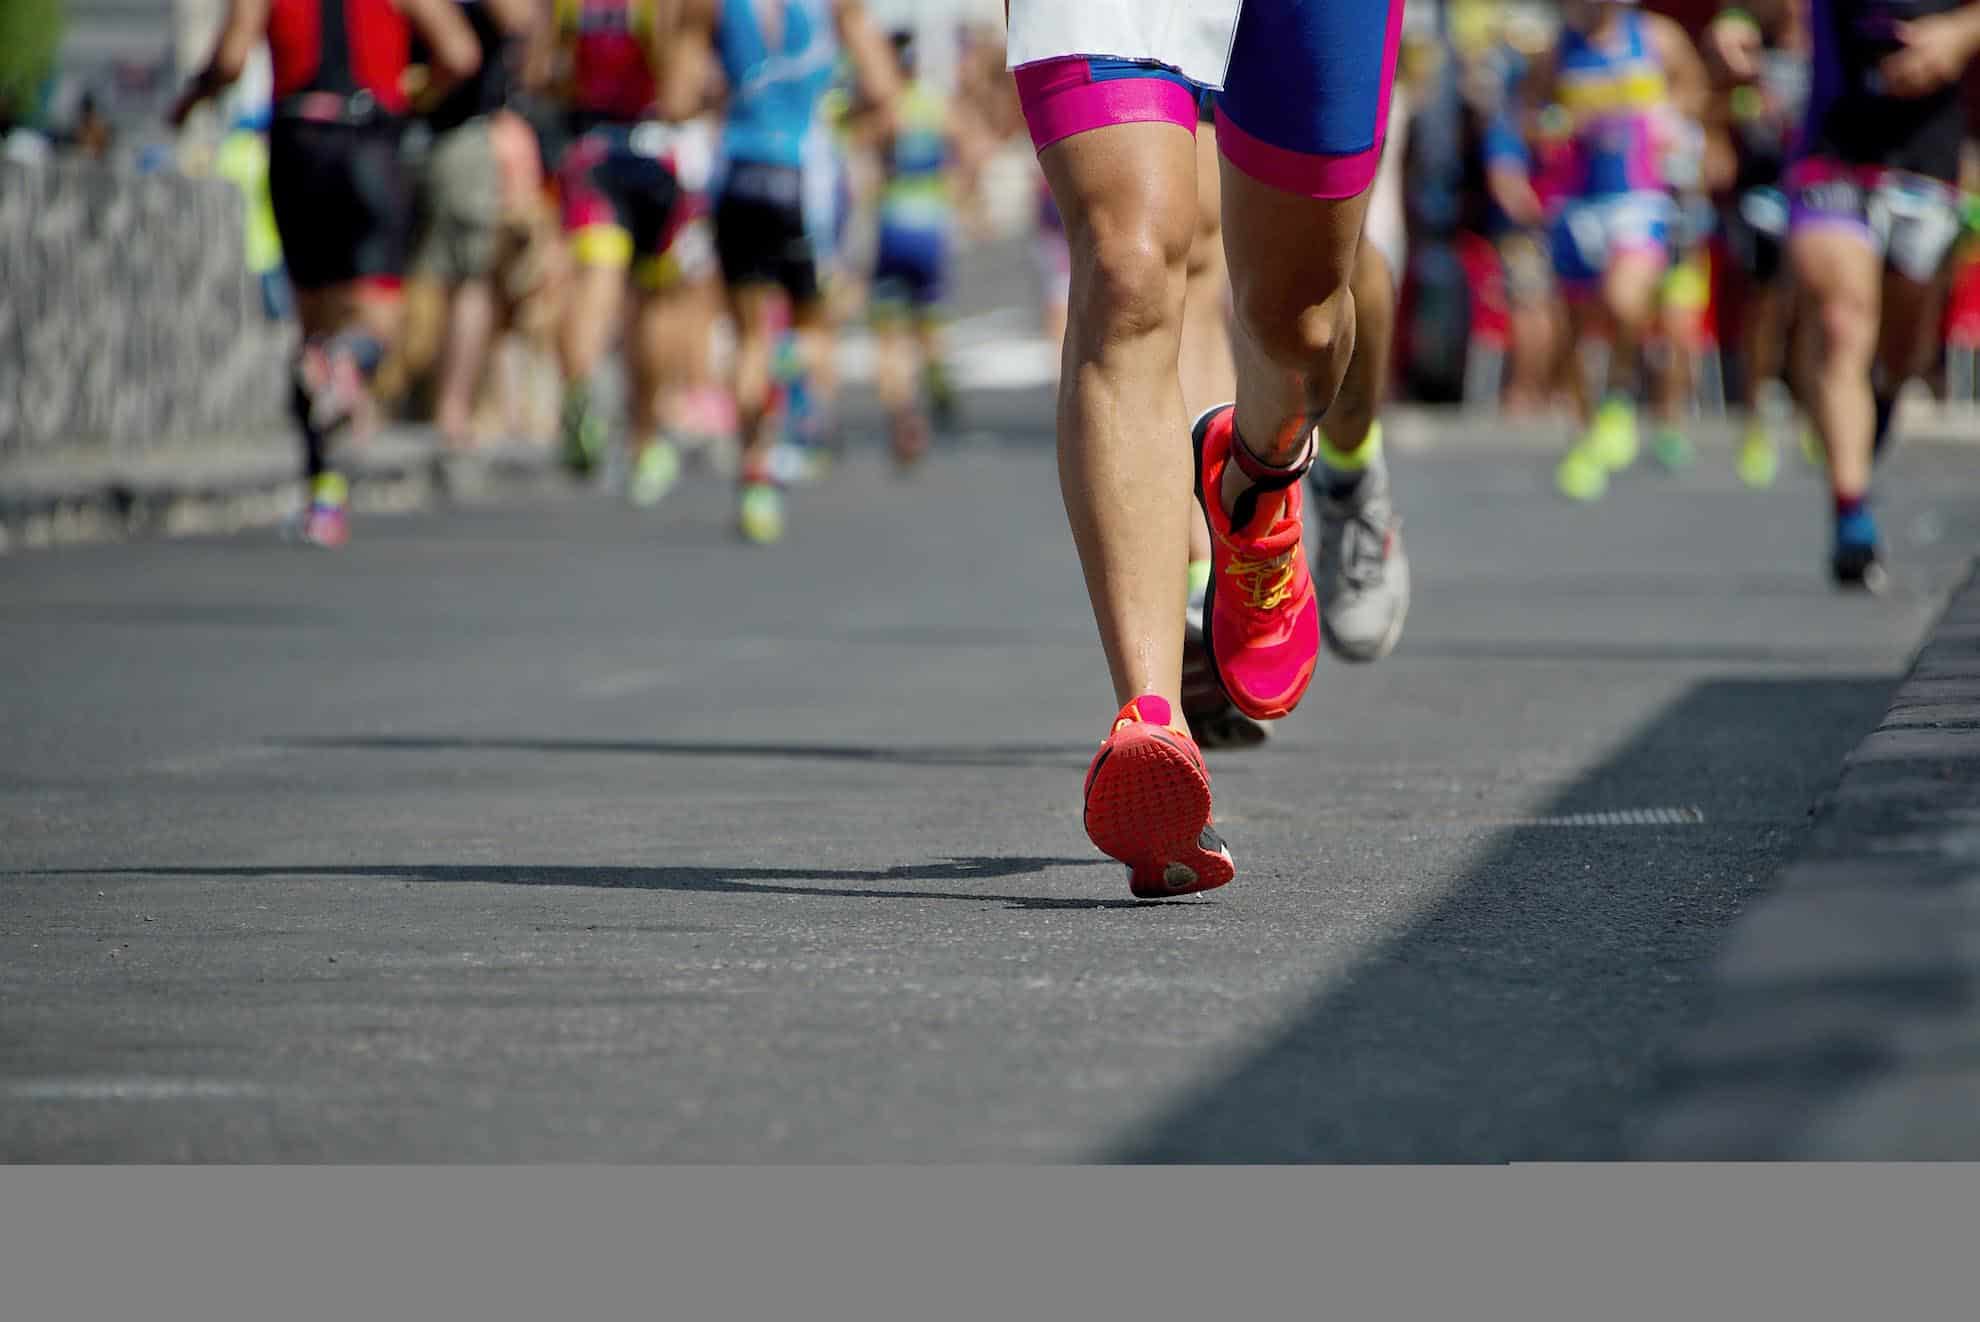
[[1260, 614], [1148, 805], [326, 522]]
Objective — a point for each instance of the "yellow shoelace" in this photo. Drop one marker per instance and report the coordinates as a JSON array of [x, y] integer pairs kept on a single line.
[[1267, 583]]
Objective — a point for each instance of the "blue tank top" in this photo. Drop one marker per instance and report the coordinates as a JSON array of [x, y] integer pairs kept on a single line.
[[774, 92], [1613, 97]]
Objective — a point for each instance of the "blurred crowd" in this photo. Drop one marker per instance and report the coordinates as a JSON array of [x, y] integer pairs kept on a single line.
[[494, 288], [493, 335]]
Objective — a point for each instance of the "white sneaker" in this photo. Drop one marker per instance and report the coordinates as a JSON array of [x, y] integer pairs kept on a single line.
[[1360, 570]]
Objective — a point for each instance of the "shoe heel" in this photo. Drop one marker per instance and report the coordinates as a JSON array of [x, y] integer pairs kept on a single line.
[[1148, 805]]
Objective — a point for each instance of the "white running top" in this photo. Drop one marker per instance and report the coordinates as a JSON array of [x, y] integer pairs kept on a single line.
[[1191, 35]]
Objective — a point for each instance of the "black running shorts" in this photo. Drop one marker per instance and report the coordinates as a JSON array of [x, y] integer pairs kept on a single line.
[[760, 234], [343, 203]]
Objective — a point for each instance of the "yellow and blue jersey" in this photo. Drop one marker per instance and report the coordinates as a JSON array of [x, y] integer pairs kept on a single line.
[[1613, 96], [916, 194]]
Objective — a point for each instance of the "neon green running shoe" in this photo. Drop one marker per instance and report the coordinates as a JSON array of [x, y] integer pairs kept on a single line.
[[1758, 462], [760, 513], [1612, 436], [1672, 449], [1811, 448], [582, 430], [1581, 475], [655, 470]]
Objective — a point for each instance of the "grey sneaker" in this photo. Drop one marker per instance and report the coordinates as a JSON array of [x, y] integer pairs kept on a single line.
[[1360, 570]]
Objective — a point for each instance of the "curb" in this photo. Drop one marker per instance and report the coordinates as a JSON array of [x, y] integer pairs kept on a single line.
[[1845, 1022], [236, 484]]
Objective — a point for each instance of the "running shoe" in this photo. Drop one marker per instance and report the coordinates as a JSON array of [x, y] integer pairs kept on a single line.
[[1759, 460], [1260, 612], [1213, 722], [1361, 569], [1147, 803], [582, 430], [760, 513], [796, 465], [326, 521], [655, 470], [940, 389], [1672, 448], [1812, 452], [1855, 560], [1581, 475], [1612, 435]]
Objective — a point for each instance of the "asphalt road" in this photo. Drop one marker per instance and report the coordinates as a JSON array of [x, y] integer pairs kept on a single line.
[[561, 832]]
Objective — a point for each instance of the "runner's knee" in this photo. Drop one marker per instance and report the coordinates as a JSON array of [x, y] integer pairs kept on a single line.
[[1849, 331], [1135, 274]]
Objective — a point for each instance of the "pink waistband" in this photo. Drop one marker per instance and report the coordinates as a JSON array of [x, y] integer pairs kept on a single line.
[[1061, 98], [1294, 171]]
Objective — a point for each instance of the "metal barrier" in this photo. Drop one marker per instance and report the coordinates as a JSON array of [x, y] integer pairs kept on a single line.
[[128, 318]]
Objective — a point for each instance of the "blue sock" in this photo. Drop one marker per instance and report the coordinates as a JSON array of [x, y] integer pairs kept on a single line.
[[1854, 524]]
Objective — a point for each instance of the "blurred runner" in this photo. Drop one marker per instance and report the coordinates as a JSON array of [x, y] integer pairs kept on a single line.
[[522, 392], [931, 139], [1520, 183], [778, 58], [341, 202], [694, 406], [805, 362], [1761, 112], [1616, 82], [1874, 212], [623, 210], [1300, 124], [460, 196], [1684, 295]]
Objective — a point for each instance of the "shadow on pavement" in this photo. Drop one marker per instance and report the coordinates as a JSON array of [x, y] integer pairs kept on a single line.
[[933, 755], [1523, 1015], [1844, 1018], [697, 880], [1498, 649]]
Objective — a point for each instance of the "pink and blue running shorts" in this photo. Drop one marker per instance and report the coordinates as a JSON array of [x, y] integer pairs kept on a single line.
[[1305, 102]]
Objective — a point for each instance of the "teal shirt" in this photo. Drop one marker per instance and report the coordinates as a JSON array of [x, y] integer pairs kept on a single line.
[[774, 94]]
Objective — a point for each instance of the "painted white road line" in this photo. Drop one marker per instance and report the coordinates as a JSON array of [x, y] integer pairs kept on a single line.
[[137, 1088]]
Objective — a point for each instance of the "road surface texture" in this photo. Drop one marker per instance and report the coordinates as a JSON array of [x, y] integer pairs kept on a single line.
[[1843, 1020], [556, 831]]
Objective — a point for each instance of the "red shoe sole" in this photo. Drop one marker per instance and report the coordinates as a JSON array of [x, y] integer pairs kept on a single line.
[[1148, 804]]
